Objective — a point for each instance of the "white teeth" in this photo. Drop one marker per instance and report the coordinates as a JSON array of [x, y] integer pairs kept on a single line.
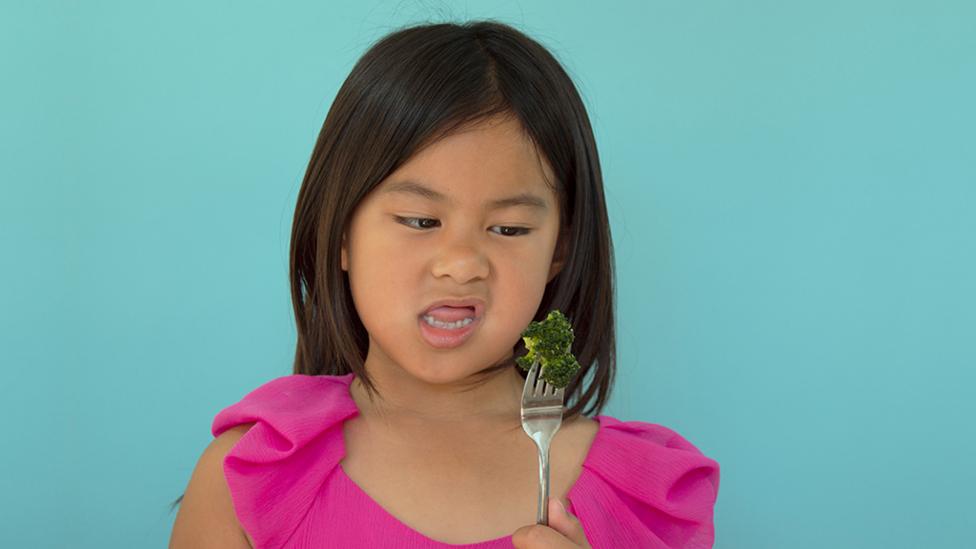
[[447, 325]]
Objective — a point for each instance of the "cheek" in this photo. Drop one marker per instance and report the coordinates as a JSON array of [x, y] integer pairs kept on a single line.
[[373, 253], [520, 283], [378, 279], [529, 264]]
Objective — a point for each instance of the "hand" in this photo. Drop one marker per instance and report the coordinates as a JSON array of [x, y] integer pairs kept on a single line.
[[564, 531]]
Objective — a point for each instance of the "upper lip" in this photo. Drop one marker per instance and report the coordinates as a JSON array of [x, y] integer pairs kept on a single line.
[[478, 304]]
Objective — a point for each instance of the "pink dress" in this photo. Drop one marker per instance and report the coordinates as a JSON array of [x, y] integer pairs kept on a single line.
[[642, 485]]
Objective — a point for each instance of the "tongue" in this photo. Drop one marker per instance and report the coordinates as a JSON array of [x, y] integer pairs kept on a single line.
[[451, 314]]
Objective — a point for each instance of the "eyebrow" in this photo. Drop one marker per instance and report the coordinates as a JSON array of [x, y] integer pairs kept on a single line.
[[412, 187]]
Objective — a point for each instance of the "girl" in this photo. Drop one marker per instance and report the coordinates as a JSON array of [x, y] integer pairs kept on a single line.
[[453, 196]]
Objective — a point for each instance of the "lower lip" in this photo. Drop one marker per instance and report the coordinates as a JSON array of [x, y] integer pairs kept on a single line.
[[442, 338]]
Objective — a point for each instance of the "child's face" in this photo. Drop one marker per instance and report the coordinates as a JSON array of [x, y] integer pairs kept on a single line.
[[397, 267]]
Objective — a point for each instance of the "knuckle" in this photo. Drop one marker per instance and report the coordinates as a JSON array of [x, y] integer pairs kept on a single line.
[[528, 537], [536, 535]]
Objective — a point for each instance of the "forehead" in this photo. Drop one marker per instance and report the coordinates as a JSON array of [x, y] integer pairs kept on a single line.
[[494, 163]]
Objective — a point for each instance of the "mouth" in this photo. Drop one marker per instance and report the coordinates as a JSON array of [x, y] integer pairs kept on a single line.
[[454, 335], [448, 323]]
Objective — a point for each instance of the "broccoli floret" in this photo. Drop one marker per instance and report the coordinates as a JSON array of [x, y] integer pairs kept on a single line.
[[550, 341]]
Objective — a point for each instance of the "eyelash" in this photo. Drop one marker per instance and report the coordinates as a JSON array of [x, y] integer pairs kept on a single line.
[[405, 221]]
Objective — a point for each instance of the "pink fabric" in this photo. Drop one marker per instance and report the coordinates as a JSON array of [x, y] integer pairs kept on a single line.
[[642, 485]]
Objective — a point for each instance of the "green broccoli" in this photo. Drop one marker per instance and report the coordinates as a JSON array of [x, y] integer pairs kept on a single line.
[[550, 341]]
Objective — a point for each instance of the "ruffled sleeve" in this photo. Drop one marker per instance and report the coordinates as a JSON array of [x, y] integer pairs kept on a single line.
[[275, 470], [644, 485]]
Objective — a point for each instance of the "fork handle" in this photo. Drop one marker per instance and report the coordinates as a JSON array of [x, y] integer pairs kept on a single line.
[[542, 512]]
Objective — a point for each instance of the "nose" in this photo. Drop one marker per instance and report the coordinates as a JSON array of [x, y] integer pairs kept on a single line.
[[461, 261]]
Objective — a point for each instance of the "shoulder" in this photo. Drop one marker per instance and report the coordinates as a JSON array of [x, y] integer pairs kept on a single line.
[[222, 444], [206, 516], [283, 399], [279, 443], [650, 481], [640, 435]]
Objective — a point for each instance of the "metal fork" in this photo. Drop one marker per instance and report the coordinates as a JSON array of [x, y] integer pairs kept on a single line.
[[542, 414]]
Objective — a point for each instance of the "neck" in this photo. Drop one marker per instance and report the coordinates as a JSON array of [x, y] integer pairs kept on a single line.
[[493, 402]]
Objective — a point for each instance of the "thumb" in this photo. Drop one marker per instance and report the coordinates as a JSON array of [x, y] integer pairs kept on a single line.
[[562, 521]]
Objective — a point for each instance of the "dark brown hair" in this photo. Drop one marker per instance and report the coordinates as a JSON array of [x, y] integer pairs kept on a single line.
[[411, 88]]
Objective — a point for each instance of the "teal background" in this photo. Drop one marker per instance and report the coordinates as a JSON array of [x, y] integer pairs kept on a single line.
[[791, 187]]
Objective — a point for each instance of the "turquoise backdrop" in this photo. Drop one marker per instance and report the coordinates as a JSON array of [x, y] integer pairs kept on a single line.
[[792, 188]]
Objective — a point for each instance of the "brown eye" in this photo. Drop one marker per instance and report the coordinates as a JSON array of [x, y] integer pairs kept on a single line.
[[514, 231], [409, 222]]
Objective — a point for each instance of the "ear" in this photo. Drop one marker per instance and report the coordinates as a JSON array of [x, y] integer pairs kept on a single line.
[[344, 255], [559, 256]]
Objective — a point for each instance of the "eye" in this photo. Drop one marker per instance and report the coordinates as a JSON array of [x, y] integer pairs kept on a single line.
[[420, 223], [518, 231], [409, 221]]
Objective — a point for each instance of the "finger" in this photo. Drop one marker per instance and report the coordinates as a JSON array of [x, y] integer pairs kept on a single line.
[[564, 531], [537, 536], [562, 521]]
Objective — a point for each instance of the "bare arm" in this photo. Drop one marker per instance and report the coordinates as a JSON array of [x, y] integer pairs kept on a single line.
[[206, 518]]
